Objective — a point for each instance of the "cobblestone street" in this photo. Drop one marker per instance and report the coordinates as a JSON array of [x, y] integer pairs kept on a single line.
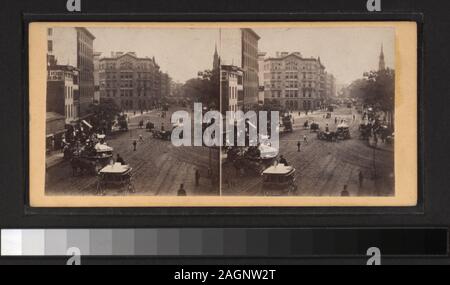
[[158, 167], [323, 168]]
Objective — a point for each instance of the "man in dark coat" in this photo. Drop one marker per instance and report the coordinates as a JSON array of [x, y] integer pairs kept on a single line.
[[120, 160], [283, 160]]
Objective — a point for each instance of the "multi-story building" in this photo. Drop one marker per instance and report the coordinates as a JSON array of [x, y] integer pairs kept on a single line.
[[97, 77], [74, 46], [62, 91], [165, 85], [231, 82], [330, 86], [293, 81], [261, 58], [132, 82], [240, 48]]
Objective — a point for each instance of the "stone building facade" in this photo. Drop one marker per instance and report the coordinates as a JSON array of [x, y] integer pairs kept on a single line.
[[134, 83], [295, 82]]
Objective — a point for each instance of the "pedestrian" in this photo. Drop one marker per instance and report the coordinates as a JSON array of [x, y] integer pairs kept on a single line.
[[181, 191], [283, 161], [209, 172], [197, 177], [361, 179], [298, 146], [134, 145], [344, 192], [335, 120], [141, 139], [305, 139], [120, 160]]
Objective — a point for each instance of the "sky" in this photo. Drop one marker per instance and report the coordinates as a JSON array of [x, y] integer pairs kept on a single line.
[[345, 52], [180, 52]]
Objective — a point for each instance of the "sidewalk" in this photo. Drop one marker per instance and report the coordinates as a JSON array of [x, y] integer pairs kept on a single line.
[[381, 146], [53, 158]]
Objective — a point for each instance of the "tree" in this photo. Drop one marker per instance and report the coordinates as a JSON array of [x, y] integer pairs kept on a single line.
[[104, 114], [204, 88], [376, 88]]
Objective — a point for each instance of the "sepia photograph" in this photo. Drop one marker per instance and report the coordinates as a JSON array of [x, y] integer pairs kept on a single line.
[[334, 89], [111, 93], [223, 114]]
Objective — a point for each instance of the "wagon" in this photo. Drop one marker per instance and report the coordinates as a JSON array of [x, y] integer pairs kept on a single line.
[[149, 126], [91, 161], [343, 132], [287, 124], [279, 180], [327, 136], [115, 176], [314, 127], [164, 135]]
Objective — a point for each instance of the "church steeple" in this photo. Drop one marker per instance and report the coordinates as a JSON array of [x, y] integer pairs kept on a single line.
[[216, 60], [381, 64]]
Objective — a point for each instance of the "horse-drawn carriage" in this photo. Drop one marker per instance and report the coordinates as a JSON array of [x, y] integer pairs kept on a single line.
[[149, 126], [91, 160], [365, 131], [252, 160], [343, 132], [163, 134], [115, 176], [279, 180], [287, 123], [326, 135], [314, 127]]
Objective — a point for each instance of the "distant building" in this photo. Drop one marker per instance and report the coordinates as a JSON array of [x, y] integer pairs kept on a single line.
[[165, 85], [261, 58], [231, 82], [294, 81], [176, 90], [216, 59], [330, 86], [134, 83], [62, 91], [74, 47], [381, 63], [241, 49], [97, 76]]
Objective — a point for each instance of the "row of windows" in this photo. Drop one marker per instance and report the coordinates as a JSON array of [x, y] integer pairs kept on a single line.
[[292, 75], [291, 65], [127, 65], [70, 111], [288, 84], [125, 84], [291, 94], [125, 93], [59, 75], [232, 92], [68, 92]]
